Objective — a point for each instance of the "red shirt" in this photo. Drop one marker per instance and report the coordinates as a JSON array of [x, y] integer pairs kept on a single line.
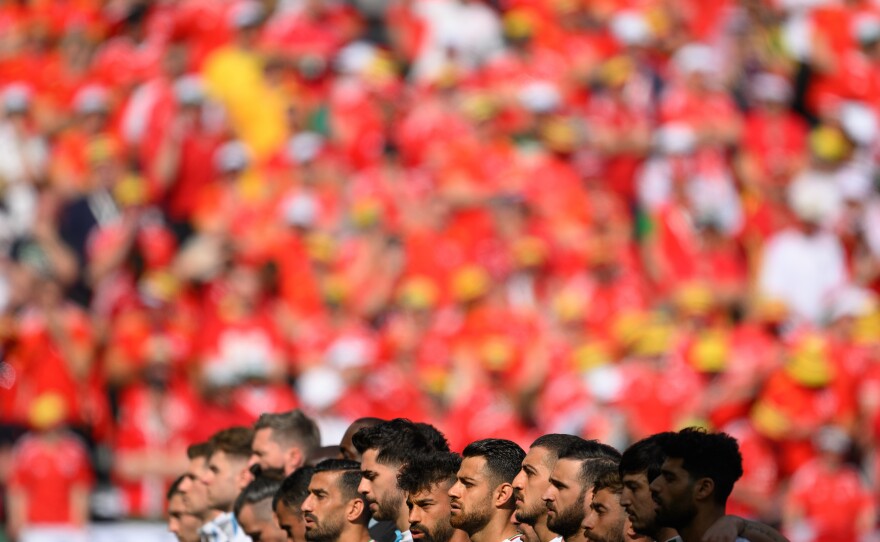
[[831, 499], [47, 472]]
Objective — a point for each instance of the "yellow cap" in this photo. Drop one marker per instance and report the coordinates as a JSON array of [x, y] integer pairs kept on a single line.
[[711, 352], [589, 356], [418, 293], [655, 338], [828, 144], [497, 352], [769, 421], [366, 212], [695, 298], [558, 134], [809, 365], [569, 306], [334, 289], [160, 284], [47, 411], [130, 190], [519, 24], [616, 71], [530, 251], [469, 283], [321, 247]]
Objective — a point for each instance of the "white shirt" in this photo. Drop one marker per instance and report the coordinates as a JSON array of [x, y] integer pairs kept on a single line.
[[223, 528], [803, 271]]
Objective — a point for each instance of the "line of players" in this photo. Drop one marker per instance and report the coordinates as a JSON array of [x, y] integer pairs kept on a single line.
[[397, 481]]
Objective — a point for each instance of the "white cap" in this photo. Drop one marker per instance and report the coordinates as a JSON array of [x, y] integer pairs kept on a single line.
[[770, 87], [189, 90], [852, 301], [815, 198], [300, 210], [231, 156], [859, 122], [854, 183], [866, 28], [540, 97], [91, 99], [694, 58], [630, 28], [17, 98], [355, 58], [246, 14], [675, 139], [319, 387], [304, 147], [833, 439]]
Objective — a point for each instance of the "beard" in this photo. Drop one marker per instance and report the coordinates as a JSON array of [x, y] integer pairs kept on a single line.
[[323, 531], [442, 532], [530, 514], [616, 535], [387, 509], [675, 515], [567, 522], [472, 521]]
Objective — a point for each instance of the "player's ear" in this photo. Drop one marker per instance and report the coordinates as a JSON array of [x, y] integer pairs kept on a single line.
[[703, 489], [503, 495], [355, 510]]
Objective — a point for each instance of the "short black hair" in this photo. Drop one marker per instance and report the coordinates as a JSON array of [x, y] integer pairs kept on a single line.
[[425, 471], [398, 440], [350, 477], [260, 489], [595, 468], [292, 428], [589, 449], [555, 443], [707, 455], [607, 476], [645, 455], [174, 488], [199, 449], [294, 489], [503, 457]]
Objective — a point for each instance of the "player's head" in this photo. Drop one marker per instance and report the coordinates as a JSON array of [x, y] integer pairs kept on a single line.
[[182, 524], [334, 503], [253, 511], [483, 488], [532, 480], [227, 473], [698, 474], [287, 503], [283, 442], [425, 481]]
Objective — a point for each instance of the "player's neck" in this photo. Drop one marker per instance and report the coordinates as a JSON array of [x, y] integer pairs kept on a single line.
[[544, 533], [499, 528], [402, 521], [354, 533], [705, 518], [459, 536], [576, 537]]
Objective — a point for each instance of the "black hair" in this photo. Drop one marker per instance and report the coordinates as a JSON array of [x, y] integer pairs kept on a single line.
[[174, 489], [428, 470], [555, 443], [503, 457], [589, 449], [350, 477], [607, 476], [707, 455], [645, 455], [200, 449], [294, 489], [260, 489], [398, 440]]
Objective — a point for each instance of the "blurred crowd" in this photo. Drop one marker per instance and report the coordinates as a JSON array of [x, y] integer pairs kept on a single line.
[[609, 218]]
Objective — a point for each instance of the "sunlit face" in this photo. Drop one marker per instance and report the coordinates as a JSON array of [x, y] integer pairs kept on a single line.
[[291, 521], [266, 453], [430, 513], [673, 491], [257, 522], [324, 510], [193, 489], [530, 484], [183, 525], [565, 498], [606, 519], [379, 488], [225, 477], [471, 496]]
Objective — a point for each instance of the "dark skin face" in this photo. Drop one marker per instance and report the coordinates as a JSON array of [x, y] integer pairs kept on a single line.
[[673, 491], [290, 520]]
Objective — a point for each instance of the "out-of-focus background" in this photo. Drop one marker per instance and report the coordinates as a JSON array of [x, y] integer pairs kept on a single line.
[[505, 217]]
